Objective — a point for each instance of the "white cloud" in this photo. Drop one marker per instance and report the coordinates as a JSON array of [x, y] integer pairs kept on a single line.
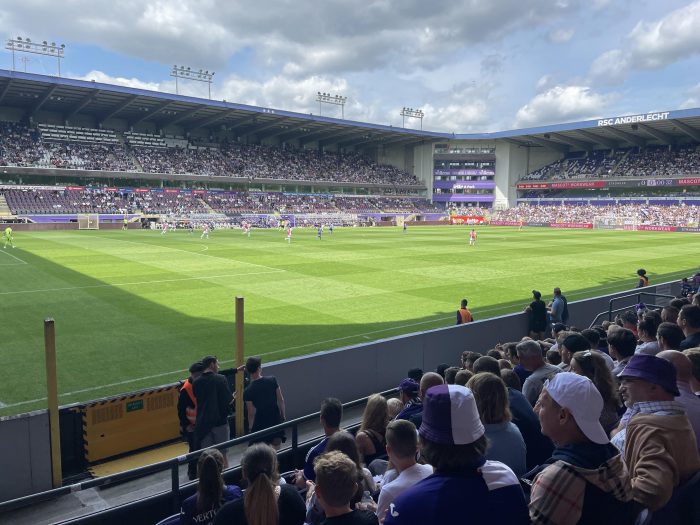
[[561, 36], [562, 103], [544, 83], [316, 38], [652, 45], [693, 100], [674, 37], [612, 67], [104, 78]]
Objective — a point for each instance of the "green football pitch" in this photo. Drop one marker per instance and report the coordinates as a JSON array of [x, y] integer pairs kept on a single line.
[[135, 308]]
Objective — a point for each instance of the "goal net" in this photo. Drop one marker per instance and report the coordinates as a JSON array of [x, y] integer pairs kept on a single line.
[[88, 221], [612, 222]]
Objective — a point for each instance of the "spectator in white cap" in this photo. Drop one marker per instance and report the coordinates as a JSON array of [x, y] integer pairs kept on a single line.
[[465, 486], [585, 480]]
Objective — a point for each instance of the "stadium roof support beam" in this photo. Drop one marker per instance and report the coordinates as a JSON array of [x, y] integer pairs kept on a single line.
[[269, 125], [628, 137], [663, 137], [604, 141], [118, 108], [244, 122], [83, 103], [7, 88], [288, 131], [316, 135], [692, 132], [148, 114], [336, 137], [562, 148], [214, 119], [42, 100], [366, 137], [179, 118], [516, 143], [582, 144]]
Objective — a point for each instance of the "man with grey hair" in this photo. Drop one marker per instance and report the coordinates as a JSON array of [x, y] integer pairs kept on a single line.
[[532, 360]]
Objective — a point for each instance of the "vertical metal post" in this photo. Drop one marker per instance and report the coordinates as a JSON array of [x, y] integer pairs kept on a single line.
[[176, 91], [58, 58], [13, 58], [175, 485], [295, 444], [240, 406], [52, 396]]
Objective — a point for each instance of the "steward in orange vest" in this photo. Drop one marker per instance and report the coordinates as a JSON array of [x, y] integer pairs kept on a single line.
[[187, 413]]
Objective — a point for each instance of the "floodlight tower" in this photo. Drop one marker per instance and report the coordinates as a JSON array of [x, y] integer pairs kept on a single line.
[[412, 113], [25, 45], [187, 73], [336, 100]]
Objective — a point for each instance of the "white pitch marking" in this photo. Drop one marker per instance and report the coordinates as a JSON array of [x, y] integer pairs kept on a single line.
[[16, 258], [159, 281]]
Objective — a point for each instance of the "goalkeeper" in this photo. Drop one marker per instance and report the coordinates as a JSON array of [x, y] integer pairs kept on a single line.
[[8, 238]]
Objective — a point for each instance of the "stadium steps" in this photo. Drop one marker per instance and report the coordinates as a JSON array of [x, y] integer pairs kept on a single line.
[[620, 163], [4, 208], [82, 503], [135, 161], [209, 208]]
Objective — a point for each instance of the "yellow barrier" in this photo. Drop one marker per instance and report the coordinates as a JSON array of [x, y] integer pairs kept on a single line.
[[116, 426]]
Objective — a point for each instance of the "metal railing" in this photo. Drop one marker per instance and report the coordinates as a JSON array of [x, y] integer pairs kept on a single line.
[[610, 311], [173, 465]]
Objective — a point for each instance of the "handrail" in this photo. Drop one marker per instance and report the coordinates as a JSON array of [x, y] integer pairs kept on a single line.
[[172, 464], [638, 295]]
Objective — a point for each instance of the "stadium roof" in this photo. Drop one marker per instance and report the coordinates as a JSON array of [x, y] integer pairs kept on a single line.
[[34, 92]]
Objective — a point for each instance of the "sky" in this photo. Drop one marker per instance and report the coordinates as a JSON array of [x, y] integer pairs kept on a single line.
[[469, 65]]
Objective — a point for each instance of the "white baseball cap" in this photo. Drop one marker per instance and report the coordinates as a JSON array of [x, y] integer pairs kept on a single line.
[[579, 396]]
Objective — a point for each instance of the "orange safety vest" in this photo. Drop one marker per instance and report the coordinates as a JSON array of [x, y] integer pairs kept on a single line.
[[466, 315], [190, 412]]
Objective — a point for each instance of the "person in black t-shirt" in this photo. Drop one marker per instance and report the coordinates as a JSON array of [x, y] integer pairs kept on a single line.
[[264, 402], [336, 483], [537, 311]]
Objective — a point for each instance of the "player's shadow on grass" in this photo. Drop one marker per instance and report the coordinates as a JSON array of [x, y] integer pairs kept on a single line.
[[111, 340]]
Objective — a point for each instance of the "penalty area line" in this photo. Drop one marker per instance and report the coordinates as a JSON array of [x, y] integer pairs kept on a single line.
[[15, 258]]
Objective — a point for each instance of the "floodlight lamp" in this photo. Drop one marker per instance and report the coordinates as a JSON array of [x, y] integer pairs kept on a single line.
[[19, 38]]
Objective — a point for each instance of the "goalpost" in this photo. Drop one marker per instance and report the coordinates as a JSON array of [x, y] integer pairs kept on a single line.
[[88, 221], [611, 222]]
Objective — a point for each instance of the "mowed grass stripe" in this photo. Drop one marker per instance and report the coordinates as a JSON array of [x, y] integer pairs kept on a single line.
[[360, 284]]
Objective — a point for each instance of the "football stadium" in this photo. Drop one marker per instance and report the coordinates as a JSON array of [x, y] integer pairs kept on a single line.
[[185, 281]]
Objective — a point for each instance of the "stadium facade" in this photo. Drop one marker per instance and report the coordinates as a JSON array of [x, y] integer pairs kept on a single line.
[[484, 170]]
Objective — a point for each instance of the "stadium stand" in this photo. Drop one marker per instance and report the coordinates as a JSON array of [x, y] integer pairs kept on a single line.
[[49, 145], [653, 161], [672, 215]]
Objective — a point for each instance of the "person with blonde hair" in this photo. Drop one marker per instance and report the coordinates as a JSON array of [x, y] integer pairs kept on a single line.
[[265, 501], [370, 438], [212, 493]]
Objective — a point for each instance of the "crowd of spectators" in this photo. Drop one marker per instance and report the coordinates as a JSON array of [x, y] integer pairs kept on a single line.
[[22, 145], [575, 426], [635, 214], [68, 201], [653, 161]]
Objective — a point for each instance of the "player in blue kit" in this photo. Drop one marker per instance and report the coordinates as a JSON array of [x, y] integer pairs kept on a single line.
[[319, 232]]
